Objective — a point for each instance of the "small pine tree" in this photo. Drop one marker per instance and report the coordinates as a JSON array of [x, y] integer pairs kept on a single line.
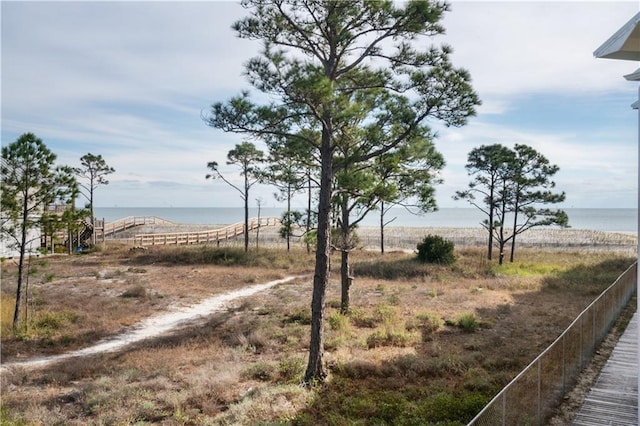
[[435, 249]]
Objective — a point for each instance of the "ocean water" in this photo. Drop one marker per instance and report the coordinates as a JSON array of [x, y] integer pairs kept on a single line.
[[622, 220]]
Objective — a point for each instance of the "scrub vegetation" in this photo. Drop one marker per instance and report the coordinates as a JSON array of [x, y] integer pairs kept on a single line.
[[421, 344]]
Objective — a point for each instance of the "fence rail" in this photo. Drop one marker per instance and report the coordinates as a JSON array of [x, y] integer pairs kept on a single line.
[[203, 237], [529, 399]]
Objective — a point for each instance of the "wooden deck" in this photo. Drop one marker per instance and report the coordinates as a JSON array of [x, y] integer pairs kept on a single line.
[[613, 400]]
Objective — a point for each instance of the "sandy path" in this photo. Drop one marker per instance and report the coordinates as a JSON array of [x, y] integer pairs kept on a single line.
[[153, 326]]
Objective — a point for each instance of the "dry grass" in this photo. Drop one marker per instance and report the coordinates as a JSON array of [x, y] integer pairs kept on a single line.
[[402, 355], [108, 292]]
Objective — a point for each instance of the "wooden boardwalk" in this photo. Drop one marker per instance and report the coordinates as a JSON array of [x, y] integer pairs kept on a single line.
[[203, 237], [112, 228], [613, 400]]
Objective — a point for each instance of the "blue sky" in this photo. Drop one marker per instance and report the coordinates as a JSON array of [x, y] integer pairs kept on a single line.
[[129, 80]]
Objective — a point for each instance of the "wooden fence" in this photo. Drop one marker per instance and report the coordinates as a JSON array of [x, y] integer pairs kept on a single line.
[[202, 237]]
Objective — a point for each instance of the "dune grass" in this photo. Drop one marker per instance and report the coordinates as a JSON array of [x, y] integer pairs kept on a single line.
[[422, 344], [7, 309]]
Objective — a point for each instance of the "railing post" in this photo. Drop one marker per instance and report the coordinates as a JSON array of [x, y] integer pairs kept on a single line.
[[581, 338], [593, 331], [539, 391], [564, 363]]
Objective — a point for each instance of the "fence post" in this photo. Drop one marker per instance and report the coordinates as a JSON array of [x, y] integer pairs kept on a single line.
[[581, 338], [564, 363], [539, 391], [595, 311]]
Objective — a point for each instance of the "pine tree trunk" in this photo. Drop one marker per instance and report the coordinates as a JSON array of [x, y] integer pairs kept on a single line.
[[513, 237], [501, 243], [490, 248], [308, 212], [344, 265], [289, 218], [246, 212], [315, 368], [382, 227], [347, 280], [93, 219], [23, 248]]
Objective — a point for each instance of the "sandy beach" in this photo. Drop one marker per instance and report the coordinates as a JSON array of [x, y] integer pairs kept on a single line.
[[406, 238]]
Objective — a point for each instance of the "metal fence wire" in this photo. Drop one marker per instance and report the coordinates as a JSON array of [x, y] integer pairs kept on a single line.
[[530, 398]]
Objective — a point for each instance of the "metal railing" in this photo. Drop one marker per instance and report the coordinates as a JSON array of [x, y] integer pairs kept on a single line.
[[202, 237], [530, 398]]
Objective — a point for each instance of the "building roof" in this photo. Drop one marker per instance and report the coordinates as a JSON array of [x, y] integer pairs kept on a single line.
[[634, 76], [624, 44]]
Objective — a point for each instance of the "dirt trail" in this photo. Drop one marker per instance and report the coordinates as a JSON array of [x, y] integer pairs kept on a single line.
[[153, 326]]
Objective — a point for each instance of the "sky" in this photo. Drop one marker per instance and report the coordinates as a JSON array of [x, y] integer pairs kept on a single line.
[[131, 80]]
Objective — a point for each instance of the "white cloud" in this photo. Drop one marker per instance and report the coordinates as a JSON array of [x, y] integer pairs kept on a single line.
[[595, 170], [77, 57], [128, 80], [519, 47]]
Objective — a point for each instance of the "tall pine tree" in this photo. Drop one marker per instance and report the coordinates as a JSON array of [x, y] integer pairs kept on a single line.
[[321, 62]]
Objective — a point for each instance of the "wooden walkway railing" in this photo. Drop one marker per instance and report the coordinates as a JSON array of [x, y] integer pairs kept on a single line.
[[202, 237], [120, 225]]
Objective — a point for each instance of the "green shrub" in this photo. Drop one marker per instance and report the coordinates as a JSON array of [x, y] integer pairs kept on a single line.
[[382, 314], [444, 407], [299, 316], [263, 371], [291, 370], [338, 322], [380, 338], [55, 320], [430, 322], [468, 323], [360, 319], [394, 299], [435, 249], [479, 380]]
